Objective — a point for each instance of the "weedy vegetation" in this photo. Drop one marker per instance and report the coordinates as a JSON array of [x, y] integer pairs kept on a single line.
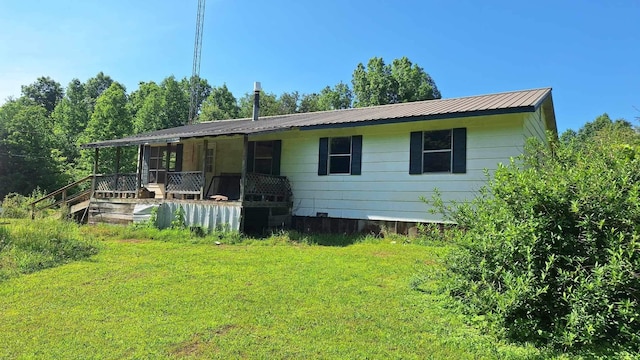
[[549, 253], [26, 246]]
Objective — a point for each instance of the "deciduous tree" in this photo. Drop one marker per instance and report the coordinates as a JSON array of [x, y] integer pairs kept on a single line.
[[175, 103], [146, 107], [336, 98], [28, 157], [269, 105], [309, 103], [220, 105], [95, 86], [70, 118], [110, 120], [402, 81], [288, 103], [45, 92], [202, 89]]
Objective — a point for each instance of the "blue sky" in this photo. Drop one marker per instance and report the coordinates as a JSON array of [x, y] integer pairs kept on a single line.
[[587, 51]]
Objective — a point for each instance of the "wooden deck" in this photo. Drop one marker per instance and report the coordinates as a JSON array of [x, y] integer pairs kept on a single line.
[[261, 201]]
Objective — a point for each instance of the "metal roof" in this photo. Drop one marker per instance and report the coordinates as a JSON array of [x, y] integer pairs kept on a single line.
[[490, 104]]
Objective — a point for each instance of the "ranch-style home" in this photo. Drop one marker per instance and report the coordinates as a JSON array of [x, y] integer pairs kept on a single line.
[[340, 170]]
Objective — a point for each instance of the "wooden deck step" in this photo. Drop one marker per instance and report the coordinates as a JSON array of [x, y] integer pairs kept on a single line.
[[114, 211], [81, 206]]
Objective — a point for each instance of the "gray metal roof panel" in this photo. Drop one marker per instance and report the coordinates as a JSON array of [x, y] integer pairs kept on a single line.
[[525, 100]]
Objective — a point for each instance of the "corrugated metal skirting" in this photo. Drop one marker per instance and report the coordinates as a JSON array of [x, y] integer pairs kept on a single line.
[[209, 216]]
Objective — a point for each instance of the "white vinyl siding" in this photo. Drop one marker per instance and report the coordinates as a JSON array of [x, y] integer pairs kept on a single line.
[[385, 190], [534, 126]]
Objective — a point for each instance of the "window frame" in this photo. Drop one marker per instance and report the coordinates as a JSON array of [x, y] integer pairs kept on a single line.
[[437, 151], [157, 170], [355, 155], [458, 152], [157, 161], [257, 157], [331, 156], [209, 160]]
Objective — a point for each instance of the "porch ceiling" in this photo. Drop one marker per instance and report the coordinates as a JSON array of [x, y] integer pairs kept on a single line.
[[492, 104]]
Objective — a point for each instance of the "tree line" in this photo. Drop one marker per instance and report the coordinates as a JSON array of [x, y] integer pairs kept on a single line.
[[40, 131]]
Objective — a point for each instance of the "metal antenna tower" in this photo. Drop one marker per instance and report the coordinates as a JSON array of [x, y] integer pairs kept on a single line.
[[195, 74]]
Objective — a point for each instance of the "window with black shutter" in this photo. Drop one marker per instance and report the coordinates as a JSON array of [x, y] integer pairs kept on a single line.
[[438, 151], [340, 155]]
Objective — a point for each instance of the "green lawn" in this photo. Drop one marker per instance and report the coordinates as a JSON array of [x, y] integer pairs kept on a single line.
[[153, 299]]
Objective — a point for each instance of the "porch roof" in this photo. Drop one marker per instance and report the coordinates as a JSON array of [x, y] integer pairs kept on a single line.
[[490, 104]]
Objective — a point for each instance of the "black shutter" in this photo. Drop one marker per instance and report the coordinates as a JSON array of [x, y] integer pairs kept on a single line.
[[356, 155], [459, 151], [323, 156], [275, 157], [415, 153], [251, 153], [146, 156], [179, 150]]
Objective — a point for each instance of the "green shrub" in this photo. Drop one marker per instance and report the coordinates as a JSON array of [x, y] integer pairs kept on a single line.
[[16, 206], [26, 247], [551, 247]]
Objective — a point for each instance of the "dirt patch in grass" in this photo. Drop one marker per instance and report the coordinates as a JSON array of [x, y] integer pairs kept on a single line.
[[191, 347], [199, 341], [224, 329]]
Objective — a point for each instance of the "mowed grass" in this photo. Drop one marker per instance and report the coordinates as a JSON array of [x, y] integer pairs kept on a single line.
[[150, 299]]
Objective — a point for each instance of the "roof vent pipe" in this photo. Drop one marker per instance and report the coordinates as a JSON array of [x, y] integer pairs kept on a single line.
[[256, 100]]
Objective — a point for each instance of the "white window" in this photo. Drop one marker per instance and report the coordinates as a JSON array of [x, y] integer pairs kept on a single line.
[[340, 155], [437, 151]]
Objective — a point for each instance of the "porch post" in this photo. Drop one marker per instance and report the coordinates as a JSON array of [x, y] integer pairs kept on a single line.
[[166, 170], [95, 170], [95, 161], [243, 174], [139, 171], [243, 178], [117, 170], [204, 168]]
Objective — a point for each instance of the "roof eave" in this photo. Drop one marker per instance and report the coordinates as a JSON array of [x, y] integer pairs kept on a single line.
[[172, 139], [128, 142], [488, 112]]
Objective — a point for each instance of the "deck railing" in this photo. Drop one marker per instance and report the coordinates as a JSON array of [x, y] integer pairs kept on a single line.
[[261, 187], [184, 183], [116, 185], [68, 195]]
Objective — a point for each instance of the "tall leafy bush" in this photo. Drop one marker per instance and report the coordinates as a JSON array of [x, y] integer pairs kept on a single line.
[[16, 206], [551, 251]]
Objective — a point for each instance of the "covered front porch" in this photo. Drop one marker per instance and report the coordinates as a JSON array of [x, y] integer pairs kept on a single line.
[[202, 176]]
